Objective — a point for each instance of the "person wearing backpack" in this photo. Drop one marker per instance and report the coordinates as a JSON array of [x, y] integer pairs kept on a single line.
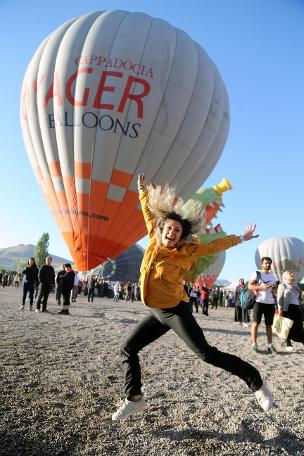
[[261, 283]]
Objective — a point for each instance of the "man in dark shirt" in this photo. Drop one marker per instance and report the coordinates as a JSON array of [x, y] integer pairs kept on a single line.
[[67, 284], [47, 283]]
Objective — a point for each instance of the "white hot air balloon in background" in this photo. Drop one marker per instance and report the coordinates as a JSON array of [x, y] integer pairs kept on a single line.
[[287, 253], [109, 95]]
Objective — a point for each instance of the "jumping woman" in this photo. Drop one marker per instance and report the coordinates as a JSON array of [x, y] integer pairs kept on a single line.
[[171, 250]]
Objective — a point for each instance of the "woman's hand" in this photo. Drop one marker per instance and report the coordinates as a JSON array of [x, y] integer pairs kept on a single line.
[[249, 233], [141, 180]]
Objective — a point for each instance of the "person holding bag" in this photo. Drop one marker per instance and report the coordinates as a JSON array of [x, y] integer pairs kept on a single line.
[[288, 304]]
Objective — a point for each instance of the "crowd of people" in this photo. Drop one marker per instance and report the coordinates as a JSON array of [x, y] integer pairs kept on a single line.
[[201, 297], [7, 279], [67, 284]]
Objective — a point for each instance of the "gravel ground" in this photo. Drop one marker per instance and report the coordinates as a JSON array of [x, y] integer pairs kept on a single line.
[[61, 381]]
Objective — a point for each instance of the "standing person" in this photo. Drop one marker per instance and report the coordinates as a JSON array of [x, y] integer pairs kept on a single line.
[[4, 279], [75, 287], [30, 280], [215, 298], [136, 292], [221, 298], [91, 288], [59, 276], [193, 299], [47, 283], [261, 285], [205, 299], [16, 280], [171, 250], [288, 299], [67, 284], [238, 312], [116, 290]]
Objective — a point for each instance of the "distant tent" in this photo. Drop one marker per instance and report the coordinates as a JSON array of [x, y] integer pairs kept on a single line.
[[232, 286]]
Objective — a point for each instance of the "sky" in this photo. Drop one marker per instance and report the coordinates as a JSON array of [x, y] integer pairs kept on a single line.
[[257, 46]]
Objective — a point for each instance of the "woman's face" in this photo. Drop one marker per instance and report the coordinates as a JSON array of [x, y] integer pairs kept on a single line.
[[172, 233], [290, 277]]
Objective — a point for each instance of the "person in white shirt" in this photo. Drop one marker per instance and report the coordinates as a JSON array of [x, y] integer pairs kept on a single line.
[[262, 285]]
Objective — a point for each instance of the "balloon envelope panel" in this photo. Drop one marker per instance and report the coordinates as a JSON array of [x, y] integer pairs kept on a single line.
[[209, 276], [125, 268], [109, 95], [287, 253]]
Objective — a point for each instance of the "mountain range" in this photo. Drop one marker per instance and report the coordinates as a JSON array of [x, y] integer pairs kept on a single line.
[[11, 257]]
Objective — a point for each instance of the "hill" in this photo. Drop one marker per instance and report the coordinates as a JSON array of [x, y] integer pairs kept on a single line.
[[19, 254]]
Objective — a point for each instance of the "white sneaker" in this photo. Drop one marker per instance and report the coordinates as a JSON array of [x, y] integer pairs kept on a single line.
[[289, 348], [21, 308], [264, 398], [128, 408], [245, 325]]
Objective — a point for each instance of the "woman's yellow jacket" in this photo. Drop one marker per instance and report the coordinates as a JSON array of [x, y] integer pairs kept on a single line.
[[163, 269]]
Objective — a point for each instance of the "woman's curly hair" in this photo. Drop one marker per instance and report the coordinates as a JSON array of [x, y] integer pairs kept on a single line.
[[165, 205]]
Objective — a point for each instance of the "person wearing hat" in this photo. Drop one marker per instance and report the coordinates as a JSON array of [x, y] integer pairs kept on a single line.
[[67, 283]]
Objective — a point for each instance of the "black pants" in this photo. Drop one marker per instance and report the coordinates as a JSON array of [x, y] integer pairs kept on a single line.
[[66, 297], [44, 292], [238, 314], [58, 293], [184, 324], [193, 300], [214, 303], [91, 294], [296, 332], [28, 288], [205, 304]]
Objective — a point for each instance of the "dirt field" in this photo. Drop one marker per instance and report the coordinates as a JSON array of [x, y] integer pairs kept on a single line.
[[61, 380]]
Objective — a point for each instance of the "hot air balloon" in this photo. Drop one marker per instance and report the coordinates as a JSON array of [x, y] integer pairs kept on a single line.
[[109, 95], [211, 202], [287, 253], [209, 276], [125, 268]]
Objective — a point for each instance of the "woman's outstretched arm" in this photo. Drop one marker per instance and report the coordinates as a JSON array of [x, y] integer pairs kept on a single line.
[[143, 197]]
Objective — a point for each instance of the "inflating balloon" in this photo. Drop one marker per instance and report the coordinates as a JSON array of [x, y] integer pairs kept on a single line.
[[211, 202], [125, 268], [109, 95], [287, 254], [209, 276]]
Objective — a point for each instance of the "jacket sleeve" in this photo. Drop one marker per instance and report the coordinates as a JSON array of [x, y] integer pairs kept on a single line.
[[280, 298], [41, 274], [217, 245], [148, 216]]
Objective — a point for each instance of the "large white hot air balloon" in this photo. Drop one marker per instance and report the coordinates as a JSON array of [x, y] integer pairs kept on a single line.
[[109, 95], [287, 253]]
